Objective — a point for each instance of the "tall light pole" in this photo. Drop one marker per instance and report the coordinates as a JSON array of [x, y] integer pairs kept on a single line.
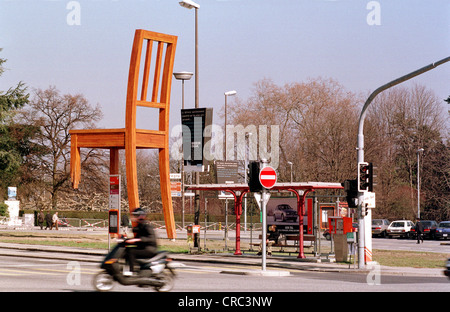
[[228, 93], [420, 150], [290, 164], [189, 4], [365, 241], [182, 76]]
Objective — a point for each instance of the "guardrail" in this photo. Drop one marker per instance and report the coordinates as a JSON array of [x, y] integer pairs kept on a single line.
[[101, 224]]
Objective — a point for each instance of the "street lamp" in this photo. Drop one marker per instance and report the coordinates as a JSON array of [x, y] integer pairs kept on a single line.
[[228, 93], [182, 76], [420, 150], [290, 164], [189, 4]]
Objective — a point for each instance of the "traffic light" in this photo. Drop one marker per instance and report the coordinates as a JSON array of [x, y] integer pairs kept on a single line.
[[253, 176], [365, 177], [351, 188]]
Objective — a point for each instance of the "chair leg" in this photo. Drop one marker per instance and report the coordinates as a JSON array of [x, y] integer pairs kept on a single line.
[[166, 196], [131, 170], [75, 162], [114, 161]]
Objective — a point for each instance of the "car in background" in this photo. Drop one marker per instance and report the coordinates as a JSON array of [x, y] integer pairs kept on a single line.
[[379, 227], [443, 230], [284, 213], [429, 229], [400, 228]]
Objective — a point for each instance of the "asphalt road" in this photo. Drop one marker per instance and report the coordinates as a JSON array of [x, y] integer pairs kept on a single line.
[[19, 274]]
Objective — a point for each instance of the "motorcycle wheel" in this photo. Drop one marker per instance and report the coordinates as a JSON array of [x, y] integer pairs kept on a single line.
[[103, 281], [169, 280]]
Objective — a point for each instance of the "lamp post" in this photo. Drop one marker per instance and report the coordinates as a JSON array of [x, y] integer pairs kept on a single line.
[[189, 4], [228, 93], [182, 76], [290, 164], [420, 150], [365, 243]]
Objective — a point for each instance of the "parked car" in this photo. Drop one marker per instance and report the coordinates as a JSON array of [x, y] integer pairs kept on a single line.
[[429, 229], [379, 227], [400, 228], [443, 230], [284, 213]]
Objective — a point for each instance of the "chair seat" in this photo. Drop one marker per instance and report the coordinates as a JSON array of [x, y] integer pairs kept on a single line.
[[115, 138]]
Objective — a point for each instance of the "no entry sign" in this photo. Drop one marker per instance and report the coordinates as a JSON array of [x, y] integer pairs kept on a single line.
[[267, 177]]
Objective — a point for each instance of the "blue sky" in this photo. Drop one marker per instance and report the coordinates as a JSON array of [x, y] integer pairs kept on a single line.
[[240, 43]]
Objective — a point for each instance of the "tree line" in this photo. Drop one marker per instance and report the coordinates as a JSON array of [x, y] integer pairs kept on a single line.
[[318, 122]]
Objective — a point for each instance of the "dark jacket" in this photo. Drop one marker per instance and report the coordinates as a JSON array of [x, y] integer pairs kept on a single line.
[[145, 232], [419, 227]]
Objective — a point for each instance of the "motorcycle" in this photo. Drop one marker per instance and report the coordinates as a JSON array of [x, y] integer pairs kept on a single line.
[[156, 272]]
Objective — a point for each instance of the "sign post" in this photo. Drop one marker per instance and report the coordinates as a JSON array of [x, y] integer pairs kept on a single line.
[[268, 178]]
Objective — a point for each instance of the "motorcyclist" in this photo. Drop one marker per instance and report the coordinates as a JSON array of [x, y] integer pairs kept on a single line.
[[144, 239]]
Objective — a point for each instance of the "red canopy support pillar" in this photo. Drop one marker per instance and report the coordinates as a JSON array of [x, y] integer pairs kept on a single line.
[[238, 212], [300, 212]]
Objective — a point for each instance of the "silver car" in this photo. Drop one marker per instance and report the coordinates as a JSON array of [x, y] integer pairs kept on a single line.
[[379, 227]]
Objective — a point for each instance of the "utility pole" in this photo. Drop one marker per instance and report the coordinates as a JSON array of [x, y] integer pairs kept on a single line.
[[364, 240]]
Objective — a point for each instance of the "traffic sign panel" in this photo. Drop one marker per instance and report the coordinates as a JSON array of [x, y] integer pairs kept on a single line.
[[268, 177]]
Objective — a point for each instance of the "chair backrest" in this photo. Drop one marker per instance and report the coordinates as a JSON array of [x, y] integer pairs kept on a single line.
[[149, 85]]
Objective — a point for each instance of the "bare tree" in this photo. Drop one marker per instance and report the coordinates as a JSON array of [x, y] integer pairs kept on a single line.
[[317, 126], [55, 115], [401, 121]]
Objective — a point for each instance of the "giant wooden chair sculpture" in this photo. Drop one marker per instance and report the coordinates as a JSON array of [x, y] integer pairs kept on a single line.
[[130, 138]]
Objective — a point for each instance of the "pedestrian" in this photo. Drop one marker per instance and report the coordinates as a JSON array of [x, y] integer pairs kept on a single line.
[[125, 222], [41, 219], [419, 231], [55, 220], [48, 220], [271, 240]]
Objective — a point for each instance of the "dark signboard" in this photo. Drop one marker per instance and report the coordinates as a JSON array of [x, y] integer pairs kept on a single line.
[[226, 171], [194, 122]]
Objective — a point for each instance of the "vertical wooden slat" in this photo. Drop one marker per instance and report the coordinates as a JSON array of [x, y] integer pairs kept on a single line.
[[157, 71], [148, 58]]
